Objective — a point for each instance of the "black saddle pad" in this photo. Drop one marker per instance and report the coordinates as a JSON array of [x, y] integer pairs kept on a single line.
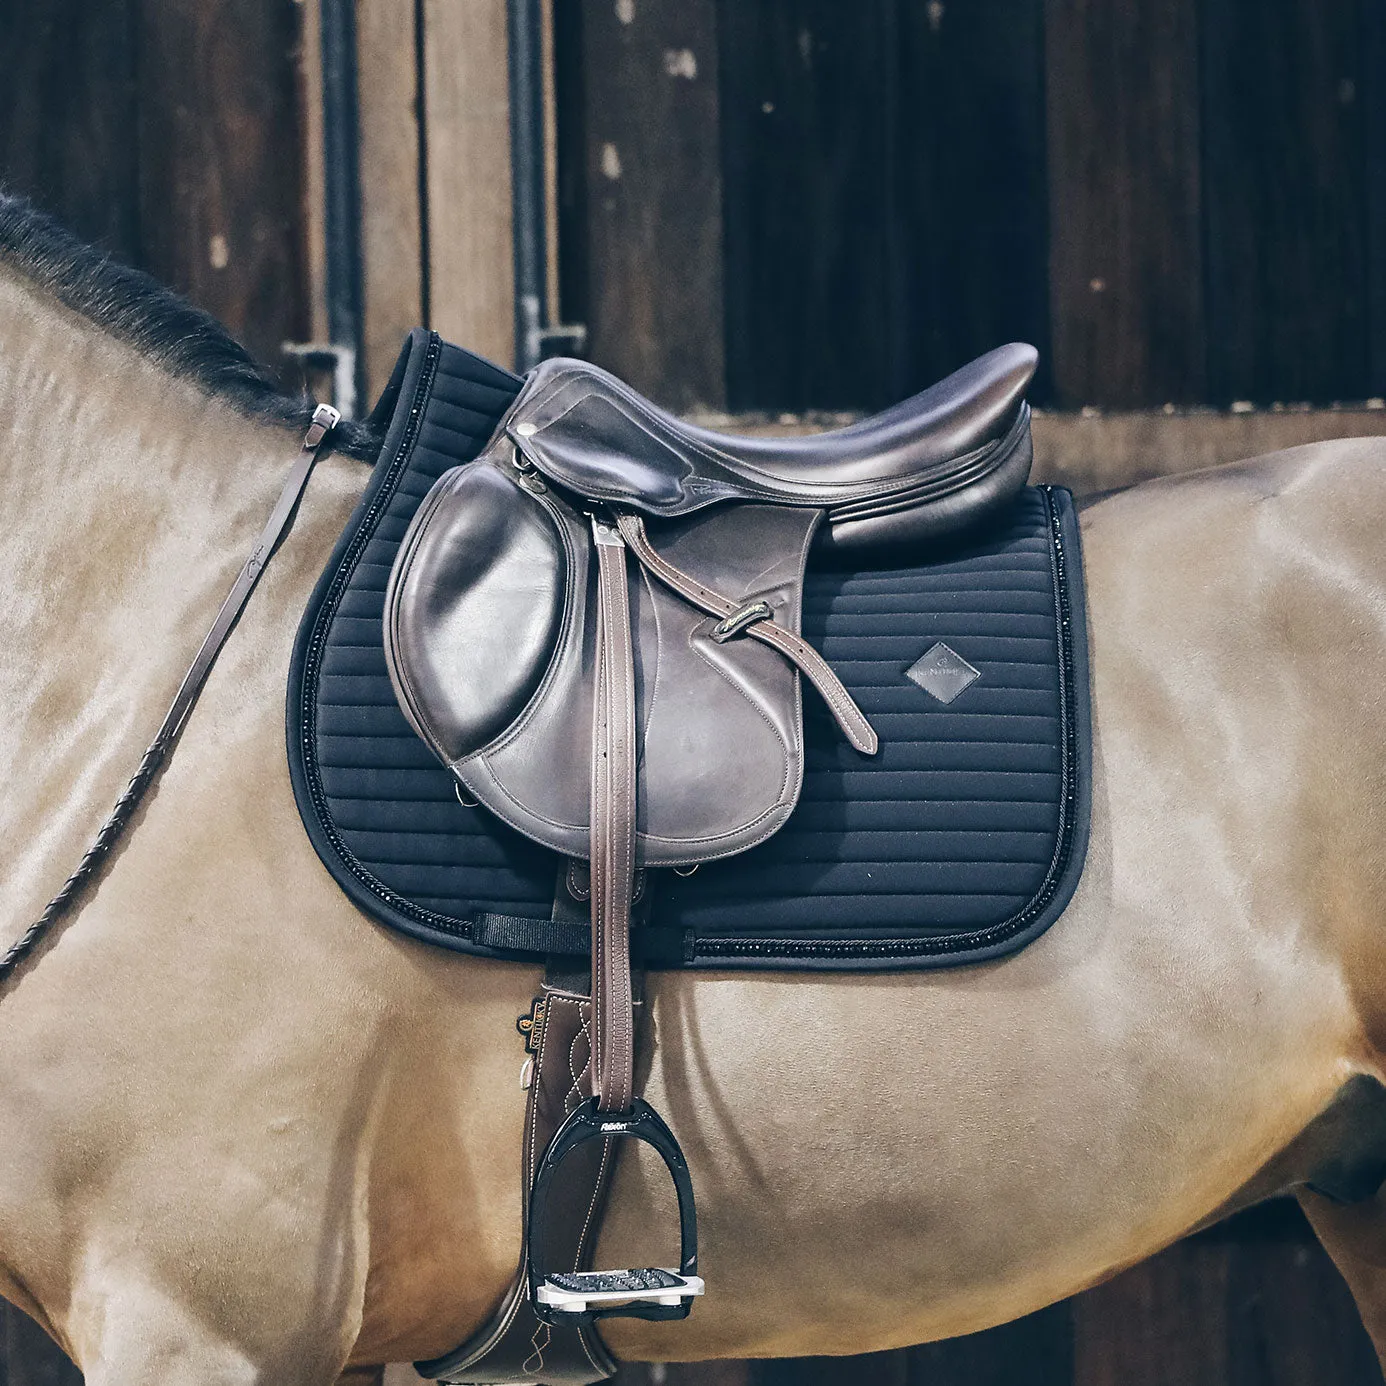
[[963, 839]]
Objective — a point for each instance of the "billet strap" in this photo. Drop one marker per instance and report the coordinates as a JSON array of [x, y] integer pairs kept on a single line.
[[514, 1345], [315, 442], [613, 826], [754, 619]]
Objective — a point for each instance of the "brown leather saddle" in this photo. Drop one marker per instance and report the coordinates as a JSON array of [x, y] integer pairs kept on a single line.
[[595, 626]]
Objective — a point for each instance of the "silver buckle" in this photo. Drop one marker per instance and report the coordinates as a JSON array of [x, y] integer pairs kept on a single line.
[[325, 419], [605, 533]]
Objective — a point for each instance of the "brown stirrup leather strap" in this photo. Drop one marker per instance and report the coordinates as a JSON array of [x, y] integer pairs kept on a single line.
[[325, 419], [613, 826], [756, 620], [615, 739]]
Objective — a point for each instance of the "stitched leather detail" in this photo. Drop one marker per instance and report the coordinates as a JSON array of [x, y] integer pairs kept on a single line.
[[613, 812], [535, 1361], [515, 1345], [582, 1077]]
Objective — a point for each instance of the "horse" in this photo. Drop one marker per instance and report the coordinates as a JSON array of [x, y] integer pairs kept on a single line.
[[247, 1136]]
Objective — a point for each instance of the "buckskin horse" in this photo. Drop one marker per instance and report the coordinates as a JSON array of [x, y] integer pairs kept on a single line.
[[247, 1137]]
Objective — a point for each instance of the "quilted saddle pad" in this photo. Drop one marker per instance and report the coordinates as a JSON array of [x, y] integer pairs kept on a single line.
[[961, 840]]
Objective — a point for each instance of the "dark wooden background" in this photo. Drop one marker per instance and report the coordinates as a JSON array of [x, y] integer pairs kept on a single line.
[[167, 131], [806, 204], [1177, 200]]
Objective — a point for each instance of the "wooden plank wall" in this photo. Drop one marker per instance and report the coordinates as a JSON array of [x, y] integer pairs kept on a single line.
[[79, 59], [191, 172], [1124, 194], [642, 188], [833, 186], [436, 235], [1285, 89], [219, 171], [971, 166], [196, 171], [1096, 451], [1177, 200], [813, 223], [471, 288], [394, 244]]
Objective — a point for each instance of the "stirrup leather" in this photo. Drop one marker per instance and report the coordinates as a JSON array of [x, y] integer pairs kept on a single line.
[[614, 1110]]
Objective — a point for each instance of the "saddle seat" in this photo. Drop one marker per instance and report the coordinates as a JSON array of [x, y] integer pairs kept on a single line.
[[922, 468]]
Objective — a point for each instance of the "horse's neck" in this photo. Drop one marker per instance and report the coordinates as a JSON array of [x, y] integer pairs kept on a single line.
[[128, 501]]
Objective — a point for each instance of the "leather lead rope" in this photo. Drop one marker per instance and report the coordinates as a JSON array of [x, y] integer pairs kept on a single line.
[[613, 827], [325, 419]]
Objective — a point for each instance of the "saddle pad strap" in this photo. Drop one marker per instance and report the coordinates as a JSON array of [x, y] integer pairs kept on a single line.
[[613, 825], [798, 651]]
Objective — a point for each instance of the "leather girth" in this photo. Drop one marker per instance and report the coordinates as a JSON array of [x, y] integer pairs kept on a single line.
[[514, 1346]]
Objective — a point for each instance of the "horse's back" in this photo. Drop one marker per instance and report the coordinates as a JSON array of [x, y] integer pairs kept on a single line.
[[950, 1149]]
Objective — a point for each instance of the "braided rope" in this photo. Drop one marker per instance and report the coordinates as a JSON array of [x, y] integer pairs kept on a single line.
[[325, 419], [95, 855]]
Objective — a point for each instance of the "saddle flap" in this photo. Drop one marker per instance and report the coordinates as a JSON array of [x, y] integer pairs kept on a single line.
[[490, 637]]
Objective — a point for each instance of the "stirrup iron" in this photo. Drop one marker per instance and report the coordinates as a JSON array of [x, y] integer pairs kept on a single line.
[[654, 1292]]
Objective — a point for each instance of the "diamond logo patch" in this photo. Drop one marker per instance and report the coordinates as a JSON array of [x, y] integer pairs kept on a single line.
[[942, 673]]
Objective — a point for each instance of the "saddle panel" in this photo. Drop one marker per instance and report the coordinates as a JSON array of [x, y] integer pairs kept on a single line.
[[490, 643]]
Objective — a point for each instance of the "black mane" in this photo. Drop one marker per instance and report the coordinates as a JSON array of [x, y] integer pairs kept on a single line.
[[154, 320]]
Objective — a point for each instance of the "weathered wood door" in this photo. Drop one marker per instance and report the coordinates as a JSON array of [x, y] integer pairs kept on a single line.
[[801, 204]]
